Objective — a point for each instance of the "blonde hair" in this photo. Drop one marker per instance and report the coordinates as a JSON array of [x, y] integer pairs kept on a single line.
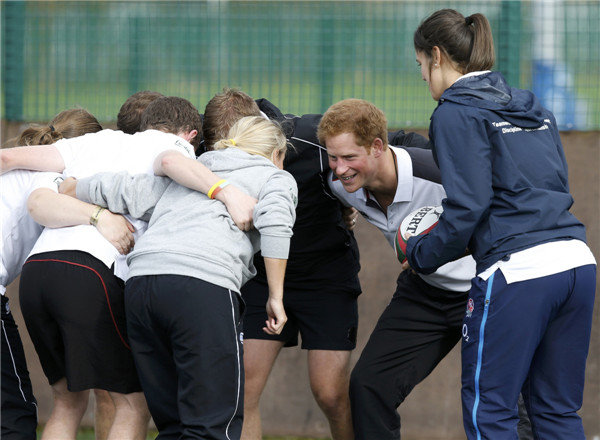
[[255, 135], [67, 124]]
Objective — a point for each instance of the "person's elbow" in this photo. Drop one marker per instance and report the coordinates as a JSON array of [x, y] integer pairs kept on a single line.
[[35, 203], [166, 163], [6, 162]]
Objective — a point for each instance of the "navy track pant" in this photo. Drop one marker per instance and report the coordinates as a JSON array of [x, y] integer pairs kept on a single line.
[[531, 336]]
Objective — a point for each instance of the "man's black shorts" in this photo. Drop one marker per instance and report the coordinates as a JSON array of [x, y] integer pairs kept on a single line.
[[326, 317]]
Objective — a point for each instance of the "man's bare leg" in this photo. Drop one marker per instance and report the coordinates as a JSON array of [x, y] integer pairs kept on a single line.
[[67, 412], [104, 414], [329, 373], [259, 357], [131, 417]]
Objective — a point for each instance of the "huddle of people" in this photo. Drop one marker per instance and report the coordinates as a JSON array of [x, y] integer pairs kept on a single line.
[[165, 264]]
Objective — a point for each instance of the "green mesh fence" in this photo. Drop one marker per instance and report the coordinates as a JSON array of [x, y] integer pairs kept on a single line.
[[301, 55]]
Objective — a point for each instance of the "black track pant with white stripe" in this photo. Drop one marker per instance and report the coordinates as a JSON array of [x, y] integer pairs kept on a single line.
[[19, 407], [185, 338]]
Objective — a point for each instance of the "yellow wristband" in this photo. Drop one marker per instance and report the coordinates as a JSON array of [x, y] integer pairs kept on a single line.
[[96, 215], [212, 192]]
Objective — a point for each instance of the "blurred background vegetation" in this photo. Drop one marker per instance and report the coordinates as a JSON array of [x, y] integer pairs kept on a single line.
[[301, 55]]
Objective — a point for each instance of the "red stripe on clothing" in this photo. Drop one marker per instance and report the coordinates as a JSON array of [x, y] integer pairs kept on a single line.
[[112, 316]]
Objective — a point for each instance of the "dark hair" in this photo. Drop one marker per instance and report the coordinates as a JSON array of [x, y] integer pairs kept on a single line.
[[466, 42], [130, 114], [224, 110], [67, 124], [172, 114]]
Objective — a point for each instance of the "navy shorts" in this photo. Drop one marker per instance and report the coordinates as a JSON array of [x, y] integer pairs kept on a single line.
[[73, 306], [325, 317]]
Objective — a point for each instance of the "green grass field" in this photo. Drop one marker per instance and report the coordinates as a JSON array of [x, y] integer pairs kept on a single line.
[[88, 434]]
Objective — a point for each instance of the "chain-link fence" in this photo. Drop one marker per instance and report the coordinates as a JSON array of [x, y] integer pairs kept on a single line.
[[301, 55]]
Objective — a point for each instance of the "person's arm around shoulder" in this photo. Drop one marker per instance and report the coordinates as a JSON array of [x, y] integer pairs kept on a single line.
[[410, 139], [193, 174], [120, 192], [36, 158], [54, 210]]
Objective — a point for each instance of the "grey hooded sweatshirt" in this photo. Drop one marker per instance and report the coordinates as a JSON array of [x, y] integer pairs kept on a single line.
[[188, 233]]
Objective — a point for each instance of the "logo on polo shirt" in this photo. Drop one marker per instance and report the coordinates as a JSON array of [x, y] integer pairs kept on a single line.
[[186, 146], [470, 307]]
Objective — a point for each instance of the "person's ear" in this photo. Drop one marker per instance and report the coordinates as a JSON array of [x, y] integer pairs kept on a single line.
[[191, 135], [277, 157], [377, 147], [436, 56]]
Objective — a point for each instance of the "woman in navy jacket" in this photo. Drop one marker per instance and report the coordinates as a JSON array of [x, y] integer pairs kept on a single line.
[[528, 320]]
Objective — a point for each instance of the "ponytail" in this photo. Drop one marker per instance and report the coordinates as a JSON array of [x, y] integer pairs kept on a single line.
[[39, 135], [466, 41], [255, 135], [67, 124], [482, 55]]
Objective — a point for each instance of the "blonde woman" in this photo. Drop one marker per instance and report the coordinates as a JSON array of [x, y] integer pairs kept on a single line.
[[182, 299]]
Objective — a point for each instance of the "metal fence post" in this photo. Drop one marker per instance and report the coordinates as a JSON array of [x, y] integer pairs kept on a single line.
[[508, 43], [13, 70]]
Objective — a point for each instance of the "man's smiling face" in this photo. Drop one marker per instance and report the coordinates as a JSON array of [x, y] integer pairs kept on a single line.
[[351, 163]]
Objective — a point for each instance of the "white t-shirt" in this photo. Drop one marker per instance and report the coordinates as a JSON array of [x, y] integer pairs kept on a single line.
[[542, 260], [106, 151], [19, 231], [411, 193]]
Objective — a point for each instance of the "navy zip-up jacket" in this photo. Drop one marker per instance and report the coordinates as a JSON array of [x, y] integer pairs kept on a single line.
[[504, 172]]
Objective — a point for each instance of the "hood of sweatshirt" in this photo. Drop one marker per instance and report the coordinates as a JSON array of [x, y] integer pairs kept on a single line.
[[233, 158], [490, 91]]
